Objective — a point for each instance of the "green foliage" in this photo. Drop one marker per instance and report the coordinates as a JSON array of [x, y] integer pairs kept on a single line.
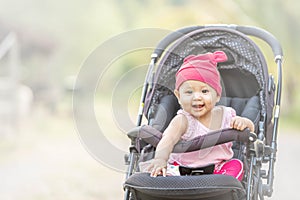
[[78, 27]]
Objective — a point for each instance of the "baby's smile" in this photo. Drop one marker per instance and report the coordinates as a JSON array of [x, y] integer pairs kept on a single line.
[[198, 106]]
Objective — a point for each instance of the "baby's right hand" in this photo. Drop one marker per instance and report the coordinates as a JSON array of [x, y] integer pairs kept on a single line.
[[158, 167]]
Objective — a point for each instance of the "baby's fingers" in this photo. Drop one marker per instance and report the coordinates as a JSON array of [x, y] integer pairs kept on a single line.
[[158, 171], [233, 123], [155, 172], [238, 125], [164, 171]]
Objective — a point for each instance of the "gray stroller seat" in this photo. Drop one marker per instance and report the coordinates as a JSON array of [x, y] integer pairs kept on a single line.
[[190, 187]]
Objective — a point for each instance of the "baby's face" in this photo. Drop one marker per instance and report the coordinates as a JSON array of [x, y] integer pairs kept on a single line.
[[197, 98]]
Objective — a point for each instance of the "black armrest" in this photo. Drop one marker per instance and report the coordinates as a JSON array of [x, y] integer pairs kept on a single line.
[[152, 136]]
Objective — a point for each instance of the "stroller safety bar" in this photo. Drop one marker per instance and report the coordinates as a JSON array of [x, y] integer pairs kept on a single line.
[[152, 136]]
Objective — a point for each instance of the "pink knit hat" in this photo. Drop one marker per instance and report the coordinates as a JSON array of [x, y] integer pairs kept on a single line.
[[202, 67]]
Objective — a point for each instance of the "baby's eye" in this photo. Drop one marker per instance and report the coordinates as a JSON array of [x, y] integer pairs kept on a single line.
[[188, 91], [205, 91]]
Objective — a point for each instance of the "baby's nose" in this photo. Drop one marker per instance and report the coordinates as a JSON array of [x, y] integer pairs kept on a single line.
[[197, 95]]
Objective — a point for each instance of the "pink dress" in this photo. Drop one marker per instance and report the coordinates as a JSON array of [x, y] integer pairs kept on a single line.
[[213, 155]]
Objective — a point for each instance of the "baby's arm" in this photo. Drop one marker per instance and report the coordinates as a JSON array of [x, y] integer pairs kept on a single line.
[[172, 135], [240, 123]]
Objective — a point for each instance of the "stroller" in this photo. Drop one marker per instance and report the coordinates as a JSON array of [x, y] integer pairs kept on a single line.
[[247, 87]]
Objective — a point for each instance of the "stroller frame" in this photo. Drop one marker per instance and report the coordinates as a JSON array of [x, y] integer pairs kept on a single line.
[[260, 151]]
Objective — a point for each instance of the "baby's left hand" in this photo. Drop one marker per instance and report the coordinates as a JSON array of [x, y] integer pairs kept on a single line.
[[240, 123]]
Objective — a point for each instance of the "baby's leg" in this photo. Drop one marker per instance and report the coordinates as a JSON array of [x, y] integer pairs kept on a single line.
[[233, 167]]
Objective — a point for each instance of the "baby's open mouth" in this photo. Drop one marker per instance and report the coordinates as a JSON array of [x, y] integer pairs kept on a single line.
[[197, 106]]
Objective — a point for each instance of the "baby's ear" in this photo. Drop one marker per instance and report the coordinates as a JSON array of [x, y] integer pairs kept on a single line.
[[218, 98], [176, 92]]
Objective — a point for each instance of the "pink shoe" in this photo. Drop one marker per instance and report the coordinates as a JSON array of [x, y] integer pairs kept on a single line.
[[233, 167]]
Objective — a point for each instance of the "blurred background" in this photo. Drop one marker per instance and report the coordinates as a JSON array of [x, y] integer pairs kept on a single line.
[[43, 45]]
